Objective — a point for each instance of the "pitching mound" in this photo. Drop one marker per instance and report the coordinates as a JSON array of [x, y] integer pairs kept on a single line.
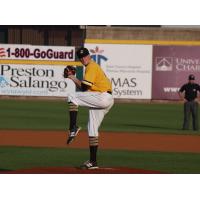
[[71, 170]]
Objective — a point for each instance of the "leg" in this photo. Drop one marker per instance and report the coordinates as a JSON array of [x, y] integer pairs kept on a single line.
[[95, 118], [98, 104], [73, 111], [186, 116], [92, 163], [87, 99], [93, 142], [73, 128], [194, 109], [91, 99]]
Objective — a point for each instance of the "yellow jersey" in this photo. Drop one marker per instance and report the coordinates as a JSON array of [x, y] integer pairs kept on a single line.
[[96, 78]]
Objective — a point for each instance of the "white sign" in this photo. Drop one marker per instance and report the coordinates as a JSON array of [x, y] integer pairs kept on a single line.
[[129, 68], [30, 52], [33, 80]]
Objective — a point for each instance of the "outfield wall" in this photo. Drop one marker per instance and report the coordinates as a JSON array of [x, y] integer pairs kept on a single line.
[[138, 70], [158, 68]]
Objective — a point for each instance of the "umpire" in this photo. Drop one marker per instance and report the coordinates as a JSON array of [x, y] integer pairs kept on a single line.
[[189, 93]]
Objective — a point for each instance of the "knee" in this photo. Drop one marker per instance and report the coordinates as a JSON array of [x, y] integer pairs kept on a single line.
[[104, 103], [71, 98]]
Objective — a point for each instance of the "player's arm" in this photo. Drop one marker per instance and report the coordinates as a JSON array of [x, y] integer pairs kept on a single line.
[[89, 78], [75, 80], [69, 72], [198, 93], [88, 82], [181, 93], [83, 85]]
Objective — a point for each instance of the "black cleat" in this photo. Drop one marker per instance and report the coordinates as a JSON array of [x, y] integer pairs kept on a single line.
[[72, 134]]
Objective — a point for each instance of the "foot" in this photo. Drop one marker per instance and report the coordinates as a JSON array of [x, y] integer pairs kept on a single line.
[[72, 134], [89, 165]]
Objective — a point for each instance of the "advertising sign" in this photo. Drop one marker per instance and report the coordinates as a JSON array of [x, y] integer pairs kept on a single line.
[[129, 67], [32, 80], [31, 52], [171, 67]]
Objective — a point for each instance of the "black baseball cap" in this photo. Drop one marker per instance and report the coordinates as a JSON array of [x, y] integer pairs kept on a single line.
[[191, 77], [82, 52]]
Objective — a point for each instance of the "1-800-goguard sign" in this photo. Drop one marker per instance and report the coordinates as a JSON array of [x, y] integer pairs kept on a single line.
[[30, 52], [32, 80]]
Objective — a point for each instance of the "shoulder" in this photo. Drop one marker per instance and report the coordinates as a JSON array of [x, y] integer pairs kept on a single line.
[[92, 65], [184, 85]]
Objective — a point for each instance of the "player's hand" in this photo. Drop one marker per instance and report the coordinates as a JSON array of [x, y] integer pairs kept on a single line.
[[71, 76], [68, 71], [185, 100]]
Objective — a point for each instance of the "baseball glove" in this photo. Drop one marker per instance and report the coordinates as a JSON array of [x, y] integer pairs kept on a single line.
[[69, 70]]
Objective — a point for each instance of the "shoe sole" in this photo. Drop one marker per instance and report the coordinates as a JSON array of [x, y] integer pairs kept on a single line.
[[70, 139], [91, 168]]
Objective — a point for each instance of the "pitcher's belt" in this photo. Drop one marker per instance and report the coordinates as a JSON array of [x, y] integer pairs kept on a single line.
[[109, 92]]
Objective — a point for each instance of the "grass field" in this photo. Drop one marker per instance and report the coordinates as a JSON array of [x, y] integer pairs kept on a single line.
[[53, 115], [13, 158]]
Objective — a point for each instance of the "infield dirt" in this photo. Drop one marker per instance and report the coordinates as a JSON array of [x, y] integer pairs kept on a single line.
[[108, 140]]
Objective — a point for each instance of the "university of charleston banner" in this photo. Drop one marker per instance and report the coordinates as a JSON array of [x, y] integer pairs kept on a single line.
[[129, 67], [171, 67]]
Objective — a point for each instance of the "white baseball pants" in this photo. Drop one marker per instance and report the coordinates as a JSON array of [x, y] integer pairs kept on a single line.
[[98, 103]]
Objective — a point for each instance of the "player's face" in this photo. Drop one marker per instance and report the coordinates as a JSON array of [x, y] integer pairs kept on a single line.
[[85, 60]]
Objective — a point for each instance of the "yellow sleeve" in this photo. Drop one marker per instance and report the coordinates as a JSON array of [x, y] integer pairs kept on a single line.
[[94, 88], [90, 75]]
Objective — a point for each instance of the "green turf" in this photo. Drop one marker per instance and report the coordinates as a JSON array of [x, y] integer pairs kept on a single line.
[[136, 117], [53, 115], [27, 157]]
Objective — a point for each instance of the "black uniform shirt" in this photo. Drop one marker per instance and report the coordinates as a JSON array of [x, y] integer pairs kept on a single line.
[[190, 90]]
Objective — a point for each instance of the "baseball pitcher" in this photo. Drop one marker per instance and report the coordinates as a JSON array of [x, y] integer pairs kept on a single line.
[[96, 95]]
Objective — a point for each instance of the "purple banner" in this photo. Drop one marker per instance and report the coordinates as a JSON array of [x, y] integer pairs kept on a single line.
[[171, 67]]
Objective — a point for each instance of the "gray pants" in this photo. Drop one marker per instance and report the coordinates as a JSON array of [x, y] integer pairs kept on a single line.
[[190, 107]]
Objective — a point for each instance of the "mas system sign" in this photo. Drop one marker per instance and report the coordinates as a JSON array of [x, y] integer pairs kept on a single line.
[[129, 67]]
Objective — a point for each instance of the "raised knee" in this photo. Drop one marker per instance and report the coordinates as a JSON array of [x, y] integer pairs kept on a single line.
[[105, 103], [71, 98]]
